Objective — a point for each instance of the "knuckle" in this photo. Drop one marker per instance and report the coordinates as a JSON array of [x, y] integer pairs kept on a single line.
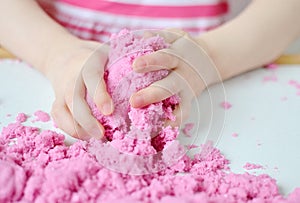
[[69, 99], [170, 86], [73, 132], [56, 111], [72, 129]]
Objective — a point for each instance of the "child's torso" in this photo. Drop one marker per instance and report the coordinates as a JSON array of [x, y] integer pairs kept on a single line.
[[96, 20]]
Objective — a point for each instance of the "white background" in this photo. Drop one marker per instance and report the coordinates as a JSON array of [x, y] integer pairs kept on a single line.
[[265, 115]]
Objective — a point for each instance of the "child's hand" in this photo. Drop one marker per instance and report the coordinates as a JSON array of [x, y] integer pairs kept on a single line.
[[191, 71], [72, 71]]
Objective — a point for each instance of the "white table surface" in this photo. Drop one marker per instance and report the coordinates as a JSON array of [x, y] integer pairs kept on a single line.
[[265, 115]]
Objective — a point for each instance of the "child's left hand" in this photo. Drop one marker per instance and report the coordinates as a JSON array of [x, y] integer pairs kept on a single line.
[[191, 71]]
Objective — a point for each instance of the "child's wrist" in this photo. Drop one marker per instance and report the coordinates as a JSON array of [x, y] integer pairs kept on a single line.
[[57, 53], [212, 59]]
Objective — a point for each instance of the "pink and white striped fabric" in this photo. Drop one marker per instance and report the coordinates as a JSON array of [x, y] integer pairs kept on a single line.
[[96, 20]]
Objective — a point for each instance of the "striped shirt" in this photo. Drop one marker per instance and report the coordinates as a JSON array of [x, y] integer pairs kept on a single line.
[[98, 19]]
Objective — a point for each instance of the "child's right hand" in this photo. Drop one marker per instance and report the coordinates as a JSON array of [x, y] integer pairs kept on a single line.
[[73, 70], [59, 55]]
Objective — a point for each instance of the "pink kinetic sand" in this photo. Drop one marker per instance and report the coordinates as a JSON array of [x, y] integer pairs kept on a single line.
[[36, 166], [251, 166], [41, 116], [21, 117], [271, 78], [296, 85], [234, 134], [187, 129], [226, 105], [39, 167], [192, 146], [271, 66]]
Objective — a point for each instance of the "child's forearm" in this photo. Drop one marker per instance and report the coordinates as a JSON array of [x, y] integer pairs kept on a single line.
[[256, 37], [29, 33]]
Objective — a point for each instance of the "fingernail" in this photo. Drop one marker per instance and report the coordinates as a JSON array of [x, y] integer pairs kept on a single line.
[[107, 108], [139, 63]]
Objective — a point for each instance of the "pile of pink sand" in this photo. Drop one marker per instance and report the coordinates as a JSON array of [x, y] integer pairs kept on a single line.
[[132, 130], [36, 166], [141, 162]]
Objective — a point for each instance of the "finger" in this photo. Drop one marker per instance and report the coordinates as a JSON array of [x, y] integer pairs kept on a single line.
[[148, 33], [102, 99], [97, 90], [82, 113], [83, 116], [64, 120], [162, 59], [92, 74], [157, 91]]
